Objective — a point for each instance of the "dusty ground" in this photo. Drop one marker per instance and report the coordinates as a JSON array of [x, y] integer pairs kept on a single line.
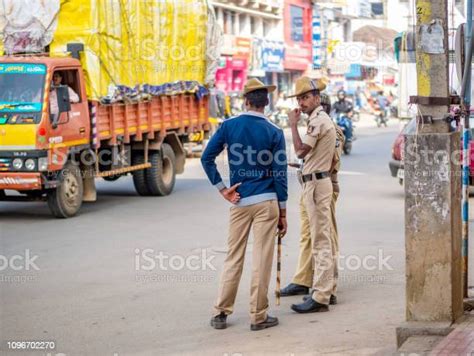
[[89, 298]]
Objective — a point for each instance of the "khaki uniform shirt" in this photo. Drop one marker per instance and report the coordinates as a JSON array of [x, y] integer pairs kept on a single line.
[[321, 136], [336, 161]]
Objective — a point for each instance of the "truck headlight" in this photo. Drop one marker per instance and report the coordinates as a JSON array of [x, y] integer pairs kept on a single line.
[[17, 163], [30, 164], [43, 164]]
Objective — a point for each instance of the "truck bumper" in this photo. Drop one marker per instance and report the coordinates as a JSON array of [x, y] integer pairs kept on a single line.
[[394, 167], [20, 181]]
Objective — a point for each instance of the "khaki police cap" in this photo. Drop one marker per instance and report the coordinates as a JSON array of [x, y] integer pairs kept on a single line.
[[255, 84], [305, 84]]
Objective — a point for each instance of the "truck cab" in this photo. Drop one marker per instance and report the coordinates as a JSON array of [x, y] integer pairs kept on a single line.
[[40, 127], [35, 132]]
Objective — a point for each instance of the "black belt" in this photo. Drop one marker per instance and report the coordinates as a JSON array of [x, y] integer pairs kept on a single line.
[[316, 176]]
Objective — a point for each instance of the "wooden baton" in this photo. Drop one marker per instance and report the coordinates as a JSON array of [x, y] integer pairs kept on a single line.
[[278, 282]]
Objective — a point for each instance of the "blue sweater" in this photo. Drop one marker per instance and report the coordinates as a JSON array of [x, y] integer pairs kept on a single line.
[[257, 158]]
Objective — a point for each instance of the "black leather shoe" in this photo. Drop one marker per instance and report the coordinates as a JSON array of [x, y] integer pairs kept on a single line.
[[293, 289], [310, 306], [332, 300], [268, 323], [219, 321]]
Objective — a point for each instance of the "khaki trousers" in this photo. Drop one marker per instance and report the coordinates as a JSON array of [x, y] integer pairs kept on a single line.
[[317, 197], [304, 271], [263, 217]]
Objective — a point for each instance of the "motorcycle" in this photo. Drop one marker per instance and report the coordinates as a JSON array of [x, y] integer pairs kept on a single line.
[[355, 115], [345, 123], [381, 117], [394, 108]]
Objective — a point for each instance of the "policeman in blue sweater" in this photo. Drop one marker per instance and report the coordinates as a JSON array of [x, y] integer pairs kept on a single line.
[[258, 176]]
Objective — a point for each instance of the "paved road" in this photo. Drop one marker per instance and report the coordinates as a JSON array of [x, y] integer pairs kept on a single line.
[[88, 296]]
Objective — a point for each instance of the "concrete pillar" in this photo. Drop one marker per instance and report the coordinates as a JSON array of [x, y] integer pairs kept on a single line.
[[273, 33], [258, 26], [220, 17], [228, 22], [246, 30], [348, 31], [278, 31], [237, 24], [433, 227], [432, 191]]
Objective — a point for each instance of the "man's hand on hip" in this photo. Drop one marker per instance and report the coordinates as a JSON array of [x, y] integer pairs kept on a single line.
[[231, 194]]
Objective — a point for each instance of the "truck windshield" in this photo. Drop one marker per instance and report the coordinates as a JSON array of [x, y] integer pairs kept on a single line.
[[21, 92]]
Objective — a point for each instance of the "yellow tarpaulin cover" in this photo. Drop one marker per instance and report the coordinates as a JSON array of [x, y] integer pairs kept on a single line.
[[129, 42]]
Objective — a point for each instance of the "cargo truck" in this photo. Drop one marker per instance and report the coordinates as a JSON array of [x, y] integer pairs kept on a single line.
[[55, 155]]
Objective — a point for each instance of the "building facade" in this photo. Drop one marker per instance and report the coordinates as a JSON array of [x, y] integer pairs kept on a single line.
[[252, 31], [267, 39], [298, 17]]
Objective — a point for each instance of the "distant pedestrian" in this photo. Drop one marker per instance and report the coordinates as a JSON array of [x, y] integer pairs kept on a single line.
[[382, 102], [258, 177], [358, 98]]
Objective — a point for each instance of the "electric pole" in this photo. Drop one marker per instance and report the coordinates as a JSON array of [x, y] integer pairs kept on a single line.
[[433, 180]]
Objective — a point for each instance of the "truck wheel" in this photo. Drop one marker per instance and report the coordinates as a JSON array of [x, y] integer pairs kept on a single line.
[[161, 177], [66, 200], [139, 177]]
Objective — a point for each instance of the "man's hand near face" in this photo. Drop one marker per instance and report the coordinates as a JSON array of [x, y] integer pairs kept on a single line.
[[294, 117]]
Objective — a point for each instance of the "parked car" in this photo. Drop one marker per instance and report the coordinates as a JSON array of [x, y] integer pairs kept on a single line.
[[396, 164]]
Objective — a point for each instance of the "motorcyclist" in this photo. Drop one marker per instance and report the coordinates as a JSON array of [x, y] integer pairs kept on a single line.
[[326, 103], [382, 101], [342, 112], [216, 103], [342, 105]]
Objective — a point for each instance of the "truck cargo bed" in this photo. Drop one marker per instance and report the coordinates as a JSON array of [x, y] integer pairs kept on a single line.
[[183, 113]]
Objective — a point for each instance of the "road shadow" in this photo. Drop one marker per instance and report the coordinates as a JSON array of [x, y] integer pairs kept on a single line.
[[20, 211], [126, 188], [395, 195], [108, 194]]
